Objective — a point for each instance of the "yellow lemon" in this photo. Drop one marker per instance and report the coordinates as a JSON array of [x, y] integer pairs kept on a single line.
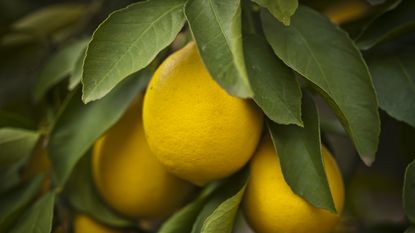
[[84, 224], [347, 11], [128, 175], [270, 205], [195, 128]]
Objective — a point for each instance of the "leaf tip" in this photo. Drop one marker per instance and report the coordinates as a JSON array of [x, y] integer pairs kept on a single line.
[[368, 159]]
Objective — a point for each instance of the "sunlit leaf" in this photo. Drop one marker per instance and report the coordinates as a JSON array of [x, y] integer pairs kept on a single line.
[[127, 41], [216, 27]]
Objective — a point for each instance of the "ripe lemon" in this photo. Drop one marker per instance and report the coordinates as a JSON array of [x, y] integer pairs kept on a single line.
[[195, 128], [270, 205], [347, 11], [84, 224], [129, 177]]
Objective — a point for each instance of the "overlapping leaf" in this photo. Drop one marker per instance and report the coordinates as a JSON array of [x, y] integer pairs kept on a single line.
[[127, 41], [80, 125], [280, 9], [59, 66], [335, 66], [82, 195], [15, 145], [391, 24], [216, 27], [395, 72], [275, 87], [38, 218], [183, 220], [301, 159]]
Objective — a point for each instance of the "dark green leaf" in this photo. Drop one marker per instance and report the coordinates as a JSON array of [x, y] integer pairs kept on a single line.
[[216, 27], [13, 202], [335, 66], [394, 79], [15, 120], [10, 176], [76, 75], [280, 9], [60, 65], [275, 87], [391, 24], [409, 192], [127, 41], [38, 218], [80, 125], [82, 195], [220, 210], [15, 145], [301, 159], [410, 229], [183, 220]]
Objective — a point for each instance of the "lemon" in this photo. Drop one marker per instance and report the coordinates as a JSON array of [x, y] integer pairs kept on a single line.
[[270, 205], [347, 11], [85, 224], [195, 128], [128, 175]]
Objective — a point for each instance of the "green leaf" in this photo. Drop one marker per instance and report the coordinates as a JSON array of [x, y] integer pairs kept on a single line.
[[219, 213], [301, 159], [335, 66], [52, 19], [15, 145], [223, 218], [409, 192], [80, 125], [84, 198], [127, 41], [183, 220], [13, 202], [37, 218], [410, 229], [216, 28], [10, 176], [76, 75], [60, 65], [275, 87], [395, 72], [393, 23], [280, 9]]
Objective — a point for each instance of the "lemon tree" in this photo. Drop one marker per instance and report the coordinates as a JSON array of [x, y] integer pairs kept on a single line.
[[207, 116]]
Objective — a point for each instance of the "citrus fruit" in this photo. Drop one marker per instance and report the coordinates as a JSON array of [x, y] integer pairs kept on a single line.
[[270, 206], [85, 224], [347, 11], [195, 128], [128, 175]]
